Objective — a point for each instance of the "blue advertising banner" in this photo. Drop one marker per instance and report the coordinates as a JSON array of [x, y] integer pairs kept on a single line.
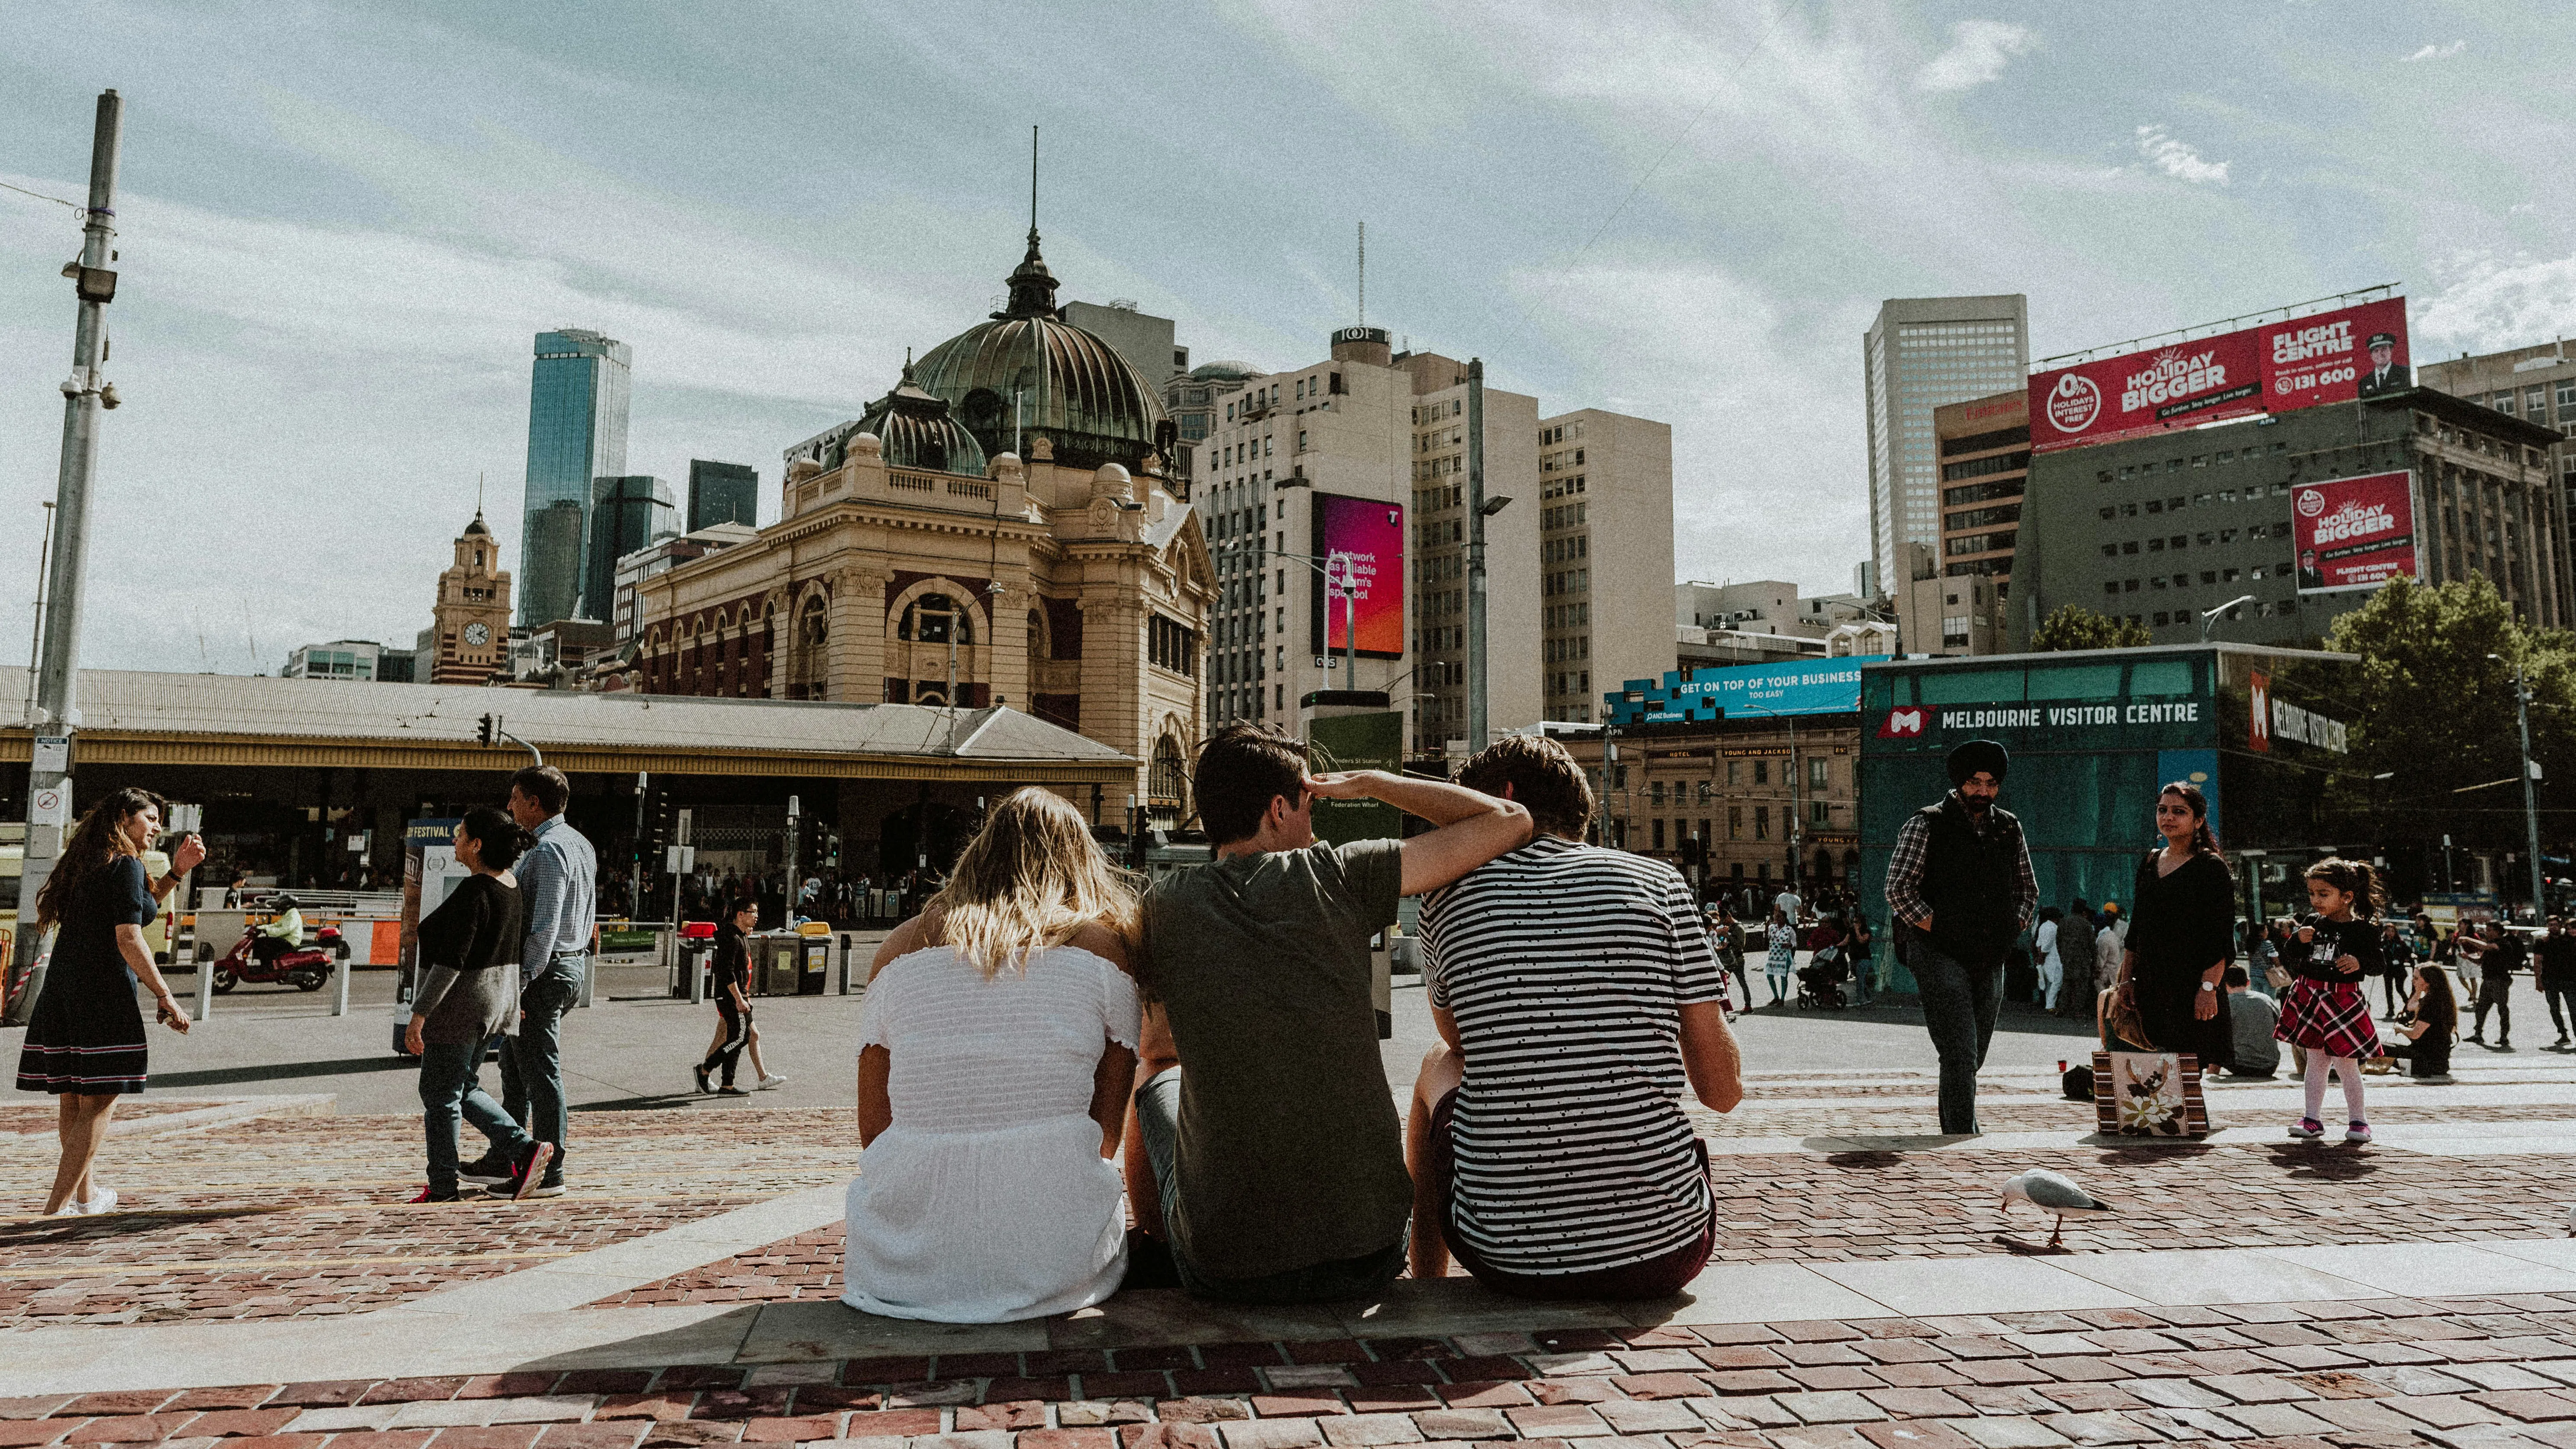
[[1759, 691]]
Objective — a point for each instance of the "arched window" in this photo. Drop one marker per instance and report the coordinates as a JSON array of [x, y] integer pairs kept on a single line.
[[1037, 636], [931, 618], [813, 624], [1171, 773]]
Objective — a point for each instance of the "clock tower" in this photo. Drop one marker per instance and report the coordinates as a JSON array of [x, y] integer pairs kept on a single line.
[[470, 628]]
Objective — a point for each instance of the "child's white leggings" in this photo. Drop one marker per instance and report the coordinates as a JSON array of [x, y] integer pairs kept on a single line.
[[2345, 1067]]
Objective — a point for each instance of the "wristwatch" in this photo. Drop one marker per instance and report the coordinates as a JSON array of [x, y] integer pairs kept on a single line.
[[2209, 986]]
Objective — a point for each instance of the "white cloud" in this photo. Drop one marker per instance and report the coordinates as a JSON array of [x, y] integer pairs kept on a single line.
[[2176, 158], [2486, 305], [1979, 51], [2439, 52]]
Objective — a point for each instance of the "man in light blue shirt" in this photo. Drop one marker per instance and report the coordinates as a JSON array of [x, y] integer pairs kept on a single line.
[[558, 881]]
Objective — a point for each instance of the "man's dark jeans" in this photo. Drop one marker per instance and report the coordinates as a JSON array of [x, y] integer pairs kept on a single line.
[[1959, 1004], [448, 1093], [532, 1062], [1158, 1117]]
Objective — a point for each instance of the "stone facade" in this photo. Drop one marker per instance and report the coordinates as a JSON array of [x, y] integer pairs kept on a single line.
[[1077, 595]]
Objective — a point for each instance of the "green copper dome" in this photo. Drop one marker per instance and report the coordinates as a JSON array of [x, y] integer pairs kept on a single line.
[[917, 430], [1028, 373]]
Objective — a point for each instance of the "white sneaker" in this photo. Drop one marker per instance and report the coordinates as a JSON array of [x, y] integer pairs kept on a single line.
[[103, 1203], [768, 1082]]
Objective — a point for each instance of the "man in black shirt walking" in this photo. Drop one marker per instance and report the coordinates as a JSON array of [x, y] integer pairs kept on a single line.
[[1960, 887]]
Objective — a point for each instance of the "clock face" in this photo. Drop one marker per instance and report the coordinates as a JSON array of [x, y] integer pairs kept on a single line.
[[477, 634]]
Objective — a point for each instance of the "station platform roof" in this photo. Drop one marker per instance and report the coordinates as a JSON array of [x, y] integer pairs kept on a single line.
[[146, 718]]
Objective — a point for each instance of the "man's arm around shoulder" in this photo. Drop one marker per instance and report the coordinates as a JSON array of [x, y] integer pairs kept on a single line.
[[1473, 827]]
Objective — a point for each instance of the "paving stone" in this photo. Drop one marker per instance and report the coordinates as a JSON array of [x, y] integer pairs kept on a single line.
[[2099, 1428], [1269, 1434], [1202, 1411], [1305, 1405], [789, 1431], [1361, 1429], [1002, 1418], [1098, 1413], [489, 1436], [2010, 1433], [1577, 1391], [616, 1435], [1562, 1421], [688, 1433], [1062, 1438], [1914, 1434], [1166, 1435], [39, 1405], [1831, 1408], [1660, 1417], [1457, 1424]]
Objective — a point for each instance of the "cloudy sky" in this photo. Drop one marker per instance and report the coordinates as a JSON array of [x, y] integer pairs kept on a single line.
[[341, 225]]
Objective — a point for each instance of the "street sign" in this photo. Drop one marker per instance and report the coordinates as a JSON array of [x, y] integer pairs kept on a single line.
[[680, 831], [51, 805], [53, 755], [681, 859]]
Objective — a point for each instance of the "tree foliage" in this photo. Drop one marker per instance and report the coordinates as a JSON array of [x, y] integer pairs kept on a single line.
[[2072, 626], [2432, 707]]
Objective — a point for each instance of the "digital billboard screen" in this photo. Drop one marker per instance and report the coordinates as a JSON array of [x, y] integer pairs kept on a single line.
[[2273, 367], [1363, 539], [2353, 533]]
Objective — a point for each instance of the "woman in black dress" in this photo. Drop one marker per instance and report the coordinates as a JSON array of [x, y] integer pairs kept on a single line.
[[85, 1040], [2182, 933]]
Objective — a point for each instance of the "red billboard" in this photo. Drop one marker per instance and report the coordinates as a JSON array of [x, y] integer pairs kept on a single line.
[[2353, 533], [1361, 541], [2274, 367]]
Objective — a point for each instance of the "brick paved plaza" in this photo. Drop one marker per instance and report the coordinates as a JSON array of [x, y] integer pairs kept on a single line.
[[264, 1283]]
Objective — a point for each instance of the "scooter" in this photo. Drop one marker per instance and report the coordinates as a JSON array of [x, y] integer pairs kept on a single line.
[[303, 967]]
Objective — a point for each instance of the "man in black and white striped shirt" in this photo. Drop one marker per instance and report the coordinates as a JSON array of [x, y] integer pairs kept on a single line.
[[1576, 996]]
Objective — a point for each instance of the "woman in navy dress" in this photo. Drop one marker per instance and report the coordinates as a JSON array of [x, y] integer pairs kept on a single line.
[[85, 1041]]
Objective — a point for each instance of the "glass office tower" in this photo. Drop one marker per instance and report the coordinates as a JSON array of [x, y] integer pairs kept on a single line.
[[722, 493], [576, 433], [625, 514]]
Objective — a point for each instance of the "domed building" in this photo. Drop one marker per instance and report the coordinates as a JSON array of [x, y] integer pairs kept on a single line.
[[1027, 373], [920, 559]]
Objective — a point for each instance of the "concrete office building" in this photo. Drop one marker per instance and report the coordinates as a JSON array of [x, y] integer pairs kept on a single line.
[[1606, 492], [2536, 384], [625, 514], [1951, 600], [577, 399], [1339, 427], [1194, 400], [1763, 621], [723, 493], [1920, 353], [1142, 338], [356, 660], [2157, 529]]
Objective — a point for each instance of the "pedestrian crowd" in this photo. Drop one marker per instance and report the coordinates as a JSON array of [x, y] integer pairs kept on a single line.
[[1047, 1053]]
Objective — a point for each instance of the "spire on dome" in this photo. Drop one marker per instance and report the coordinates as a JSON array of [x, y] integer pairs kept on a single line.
[[1032, 285]]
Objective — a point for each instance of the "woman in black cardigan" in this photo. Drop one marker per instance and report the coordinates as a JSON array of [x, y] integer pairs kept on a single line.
[[2182, 933]]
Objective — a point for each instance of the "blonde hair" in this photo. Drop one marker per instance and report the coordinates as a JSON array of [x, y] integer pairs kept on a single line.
[[1028, 880]]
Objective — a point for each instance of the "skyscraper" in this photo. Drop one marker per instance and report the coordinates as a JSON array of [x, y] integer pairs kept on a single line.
[[1920, 353], [625, 514], [722, 493], [576, 433]]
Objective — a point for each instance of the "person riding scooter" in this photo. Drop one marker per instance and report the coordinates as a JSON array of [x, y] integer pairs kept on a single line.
[[284, 932]]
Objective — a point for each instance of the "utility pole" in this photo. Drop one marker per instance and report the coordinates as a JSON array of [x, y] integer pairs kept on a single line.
[[57, 664], [2530, 794], [1479, 720]]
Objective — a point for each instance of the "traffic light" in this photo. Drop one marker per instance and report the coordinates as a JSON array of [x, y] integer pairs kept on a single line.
[[488, 730]]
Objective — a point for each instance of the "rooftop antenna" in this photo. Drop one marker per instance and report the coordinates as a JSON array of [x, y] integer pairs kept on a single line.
[[1033, 183], [478, 493], [1363, 274]]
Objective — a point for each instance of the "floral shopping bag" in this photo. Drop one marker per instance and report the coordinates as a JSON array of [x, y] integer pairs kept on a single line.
[[2148, 1094]]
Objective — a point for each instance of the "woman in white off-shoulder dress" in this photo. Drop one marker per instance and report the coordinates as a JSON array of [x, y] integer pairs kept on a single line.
[[997, 1051]]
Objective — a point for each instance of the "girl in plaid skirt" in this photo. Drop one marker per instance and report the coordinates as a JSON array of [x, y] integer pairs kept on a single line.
[[2332, 953]]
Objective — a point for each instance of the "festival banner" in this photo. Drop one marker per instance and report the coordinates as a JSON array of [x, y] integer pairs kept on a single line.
[[2353, 533], [2275, 367]]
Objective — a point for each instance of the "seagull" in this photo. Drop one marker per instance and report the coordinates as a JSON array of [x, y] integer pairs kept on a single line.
[[2050, 1192]]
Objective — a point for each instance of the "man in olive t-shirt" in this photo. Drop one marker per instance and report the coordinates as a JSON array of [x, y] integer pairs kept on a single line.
[[1267, 1150]]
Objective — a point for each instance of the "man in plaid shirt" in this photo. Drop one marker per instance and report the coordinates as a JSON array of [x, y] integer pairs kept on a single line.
[[1960, 888]]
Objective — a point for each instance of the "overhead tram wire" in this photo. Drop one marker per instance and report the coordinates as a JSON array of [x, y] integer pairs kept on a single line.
[[40, 196]]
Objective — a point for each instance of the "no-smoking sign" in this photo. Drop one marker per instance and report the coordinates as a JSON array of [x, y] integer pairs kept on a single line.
[[51, 805]]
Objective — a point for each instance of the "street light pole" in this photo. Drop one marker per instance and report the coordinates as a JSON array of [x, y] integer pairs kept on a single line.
[[2530, 796], [1479, 716], [57, 663]]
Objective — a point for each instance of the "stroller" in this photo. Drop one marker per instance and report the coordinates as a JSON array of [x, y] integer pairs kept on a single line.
[[1820, 981]]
